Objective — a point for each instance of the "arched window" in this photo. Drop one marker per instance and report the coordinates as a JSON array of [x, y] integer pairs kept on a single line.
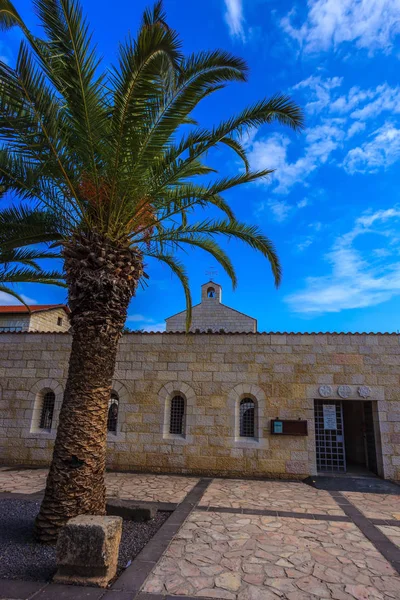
[[112, 419], [247, 418], [211, 292], [177, 418], [47, 410]]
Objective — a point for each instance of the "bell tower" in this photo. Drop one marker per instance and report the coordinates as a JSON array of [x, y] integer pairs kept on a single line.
[[211, 293]]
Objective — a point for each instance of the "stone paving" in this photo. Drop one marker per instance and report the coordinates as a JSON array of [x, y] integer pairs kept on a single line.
[[23, 481], [154, 488], [252, 557], [270, 495], [219, 552], [376, 506]]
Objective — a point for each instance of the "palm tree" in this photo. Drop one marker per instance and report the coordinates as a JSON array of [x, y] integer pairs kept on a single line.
[[117, 159], [19, 264]]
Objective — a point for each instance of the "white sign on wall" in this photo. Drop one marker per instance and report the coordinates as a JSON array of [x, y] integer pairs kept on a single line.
[[329, 416]]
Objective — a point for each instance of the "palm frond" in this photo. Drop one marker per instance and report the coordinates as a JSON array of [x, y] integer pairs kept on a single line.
[[23, 226], [251, 235], [9, 17], [5, 289], [119, 153], [179, 270]]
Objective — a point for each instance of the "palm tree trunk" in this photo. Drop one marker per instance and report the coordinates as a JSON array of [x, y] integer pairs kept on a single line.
[[101, 279]]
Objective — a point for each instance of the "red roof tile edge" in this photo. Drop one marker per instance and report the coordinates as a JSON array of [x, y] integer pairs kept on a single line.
[[34, 308]]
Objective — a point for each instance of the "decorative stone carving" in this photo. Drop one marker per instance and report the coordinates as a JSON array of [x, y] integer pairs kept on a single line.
[[364, 391], [325, 391], [344, 391]]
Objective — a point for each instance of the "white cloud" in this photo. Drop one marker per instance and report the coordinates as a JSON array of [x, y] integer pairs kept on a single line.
[[272, 153], [139, 319], [365, 104], [346, 130], [6, 300], [303, 203], [156, 327], [321, 89], [355, 280], [370, 24], [234, 18], [305, 243], [355, 128], [381, 152]]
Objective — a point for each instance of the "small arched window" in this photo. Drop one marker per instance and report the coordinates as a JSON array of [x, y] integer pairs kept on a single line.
[[112, 418], [247, 418], [177, 418], [211, 292], [47, 410]]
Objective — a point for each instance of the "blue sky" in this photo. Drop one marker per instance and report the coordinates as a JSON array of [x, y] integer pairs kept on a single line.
[[332, 207]]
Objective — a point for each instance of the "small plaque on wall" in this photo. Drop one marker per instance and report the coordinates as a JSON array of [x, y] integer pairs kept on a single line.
[[288, 427]]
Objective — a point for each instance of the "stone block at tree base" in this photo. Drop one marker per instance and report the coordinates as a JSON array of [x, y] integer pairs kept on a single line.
[[130, 511], [87, 550]]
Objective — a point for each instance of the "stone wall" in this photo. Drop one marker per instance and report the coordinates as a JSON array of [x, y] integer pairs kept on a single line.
[[212, 315], [282, 373], [47, 320]]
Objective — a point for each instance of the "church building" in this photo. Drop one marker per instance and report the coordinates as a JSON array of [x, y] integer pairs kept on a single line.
[[222, 399], [211, 315]]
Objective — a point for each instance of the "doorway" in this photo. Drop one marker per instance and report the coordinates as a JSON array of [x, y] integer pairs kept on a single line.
[[345, 437]]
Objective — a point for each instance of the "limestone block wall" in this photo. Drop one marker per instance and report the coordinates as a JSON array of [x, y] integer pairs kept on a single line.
[[215, 316], [281, 372], [47, 320]]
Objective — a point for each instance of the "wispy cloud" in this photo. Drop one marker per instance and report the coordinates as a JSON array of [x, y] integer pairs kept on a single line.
[[144, 323], [137, 318], [382, 151], [234, 18], [349, 130], [6, 300], [357, 278], [156, 327], [272, 153], [370, 24]]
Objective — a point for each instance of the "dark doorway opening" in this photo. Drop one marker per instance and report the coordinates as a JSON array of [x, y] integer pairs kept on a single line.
[[345, 437], [359, 436]]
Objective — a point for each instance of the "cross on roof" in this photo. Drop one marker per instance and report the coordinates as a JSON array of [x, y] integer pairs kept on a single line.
[[212, 273]]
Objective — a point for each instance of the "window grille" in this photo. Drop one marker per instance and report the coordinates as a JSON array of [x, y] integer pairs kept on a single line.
[[112, 418], [177, 415], [46, 415], [10, 329], [247, 414]]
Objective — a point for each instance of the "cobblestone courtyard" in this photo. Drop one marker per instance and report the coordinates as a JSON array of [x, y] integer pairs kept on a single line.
[[244, 540]]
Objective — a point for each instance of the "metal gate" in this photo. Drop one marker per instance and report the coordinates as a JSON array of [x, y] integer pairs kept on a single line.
[[331, 457]]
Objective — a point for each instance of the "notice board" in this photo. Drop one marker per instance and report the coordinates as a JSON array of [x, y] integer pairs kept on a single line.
[[288, 427], [329, 412]]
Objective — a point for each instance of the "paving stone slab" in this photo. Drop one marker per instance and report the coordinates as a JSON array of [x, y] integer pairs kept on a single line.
[[376, 506], [253, 557], [270, 495]]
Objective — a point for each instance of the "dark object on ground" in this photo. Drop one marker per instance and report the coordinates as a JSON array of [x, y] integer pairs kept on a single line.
[[130, 511], [364, 485], [21, 557]]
